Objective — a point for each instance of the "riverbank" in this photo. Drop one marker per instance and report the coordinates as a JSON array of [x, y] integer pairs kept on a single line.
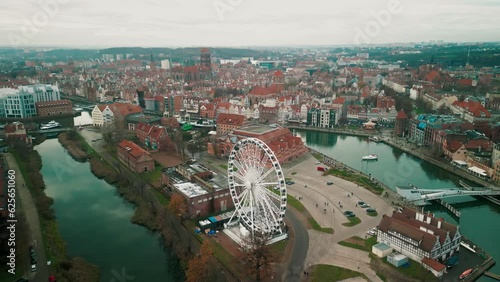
[[64, 268], [420, 152]]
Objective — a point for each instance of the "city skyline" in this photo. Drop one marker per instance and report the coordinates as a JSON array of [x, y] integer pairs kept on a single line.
[[238, 23]]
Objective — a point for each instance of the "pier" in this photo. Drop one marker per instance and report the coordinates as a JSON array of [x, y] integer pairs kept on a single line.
[[492, 275], [450, 208]]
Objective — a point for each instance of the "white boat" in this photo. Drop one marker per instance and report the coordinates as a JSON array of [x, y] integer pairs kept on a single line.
[[50, 125], [204, 123], [371, 157], [375, 139]]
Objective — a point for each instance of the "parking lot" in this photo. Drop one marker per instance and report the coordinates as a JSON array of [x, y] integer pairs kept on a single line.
[[327, 204]]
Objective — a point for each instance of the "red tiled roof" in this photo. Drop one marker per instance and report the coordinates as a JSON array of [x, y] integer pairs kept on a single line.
[[258, 90], [135, 151], [230, 119], [401, 115], [339, 100], [437, 266], [465, 82], [125, 109]]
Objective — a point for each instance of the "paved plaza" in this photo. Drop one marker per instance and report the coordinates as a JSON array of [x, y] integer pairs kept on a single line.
[[311, 186]]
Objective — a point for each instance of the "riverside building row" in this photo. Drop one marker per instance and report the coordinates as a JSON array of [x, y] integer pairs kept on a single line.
[[31, 101]]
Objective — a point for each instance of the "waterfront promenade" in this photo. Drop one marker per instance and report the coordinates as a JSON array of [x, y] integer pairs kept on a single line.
[[421, 152]]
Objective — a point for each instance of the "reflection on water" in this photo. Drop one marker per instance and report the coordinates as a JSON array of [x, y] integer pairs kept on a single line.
[[395, 167], [84, 119], [95, 222]]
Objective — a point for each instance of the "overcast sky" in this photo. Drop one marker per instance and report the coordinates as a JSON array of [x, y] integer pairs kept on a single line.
[[176, 23]]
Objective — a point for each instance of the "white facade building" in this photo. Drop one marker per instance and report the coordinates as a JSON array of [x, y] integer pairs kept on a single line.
[[419, 235], [20, 102]]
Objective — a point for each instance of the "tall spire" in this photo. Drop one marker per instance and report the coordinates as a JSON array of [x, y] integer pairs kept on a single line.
[[468, 58]]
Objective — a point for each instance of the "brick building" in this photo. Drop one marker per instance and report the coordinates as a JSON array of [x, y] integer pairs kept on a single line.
[[203, 191], [227, 122], [54, 108], [135, 157], [268, 114], [385, 102], [16, 132], [280, 140], [153, 137]]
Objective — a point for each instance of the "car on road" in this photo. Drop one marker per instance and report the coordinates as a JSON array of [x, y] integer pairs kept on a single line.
[[348, 212], [33, 264], [329, 183], [365, 206], [289, 182]]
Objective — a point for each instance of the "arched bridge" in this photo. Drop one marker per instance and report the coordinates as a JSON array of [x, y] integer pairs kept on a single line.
[[420, 196]]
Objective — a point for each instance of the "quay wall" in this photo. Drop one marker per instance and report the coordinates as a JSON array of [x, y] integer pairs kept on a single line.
[[410, 150]]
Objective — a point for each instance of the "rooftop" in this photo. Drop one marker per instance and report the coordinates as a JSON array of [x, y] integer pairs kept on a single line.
[[191, 190], [258, 128], [382, 246]]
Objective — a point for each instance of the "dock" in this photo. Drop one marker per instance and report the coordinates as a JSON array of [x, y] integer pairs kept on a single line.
[[492, 275], [450, 208]]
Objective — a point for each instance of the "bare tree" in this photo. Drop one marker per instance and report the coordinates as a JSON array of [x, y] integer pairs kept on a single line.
[[201, 267], [257, 255]]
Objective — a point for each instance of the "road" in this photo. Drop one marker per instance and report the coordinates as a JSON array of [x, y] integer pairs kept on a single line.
[[300, 246], [326, 203], [31, 213]]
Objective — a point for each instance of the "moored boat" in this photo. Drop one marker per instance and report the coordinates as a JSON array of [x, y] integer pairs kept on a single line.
[[465, 273], [374, 139], [371, 157], [50, 125], [204, 123]]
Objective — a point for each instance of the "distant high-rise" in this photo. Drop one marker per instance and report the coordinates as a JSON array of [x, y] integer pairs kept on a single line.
[[205, 58]]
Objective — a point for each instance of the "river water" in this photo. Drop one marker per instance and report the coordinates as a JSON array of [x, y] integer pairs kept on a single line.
[[95, 222], [480, 219]]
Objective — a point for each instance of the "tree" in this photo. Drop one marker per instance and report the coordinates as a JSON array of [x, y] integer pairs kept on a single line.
[[257, 255], [201, 267], [177, 204]]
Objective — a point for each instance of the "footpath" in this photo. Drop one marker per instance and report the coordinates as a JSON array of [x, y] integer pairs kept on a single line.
[[31, 214]]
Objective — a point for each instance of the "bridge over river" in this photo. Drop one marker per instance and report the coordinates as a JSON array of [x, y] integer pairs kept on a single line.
[[420, 197]]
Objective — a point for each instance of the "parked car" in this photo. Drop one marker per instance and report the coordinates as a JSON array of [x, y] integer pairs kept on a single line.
[[320, 168], [361, 203], [370, 210], [318, 162], [351, 215], [329, 183], [289, 182], [371, 232], [348, 212], [365, 206]]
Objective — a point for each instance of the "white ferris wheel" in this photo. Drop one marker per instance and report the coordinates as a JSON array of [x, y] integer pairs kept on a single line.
[[257, 187]]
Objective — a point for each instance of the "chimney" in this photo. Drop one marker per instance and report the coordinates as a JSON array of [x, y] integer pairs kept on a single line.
[[439, 222], [428, 220]]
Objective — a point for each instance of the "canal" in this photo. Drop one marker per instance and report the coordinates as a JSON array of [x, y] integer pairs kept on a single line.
[[95, 222], [479, 219]]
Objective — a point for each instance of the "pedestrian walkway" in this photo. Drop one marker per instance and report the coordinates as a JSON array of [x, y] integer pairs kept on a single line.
[[31, 214]]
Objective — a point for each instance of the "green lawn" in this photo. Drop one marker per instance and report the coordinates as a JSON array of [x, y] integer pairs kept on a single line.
[[223, 166], [375, 213], [153, 176], [415, 271], [352, 221], [356, 178], [161, 198], [315, 225], [324, 272], [362, 244]]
